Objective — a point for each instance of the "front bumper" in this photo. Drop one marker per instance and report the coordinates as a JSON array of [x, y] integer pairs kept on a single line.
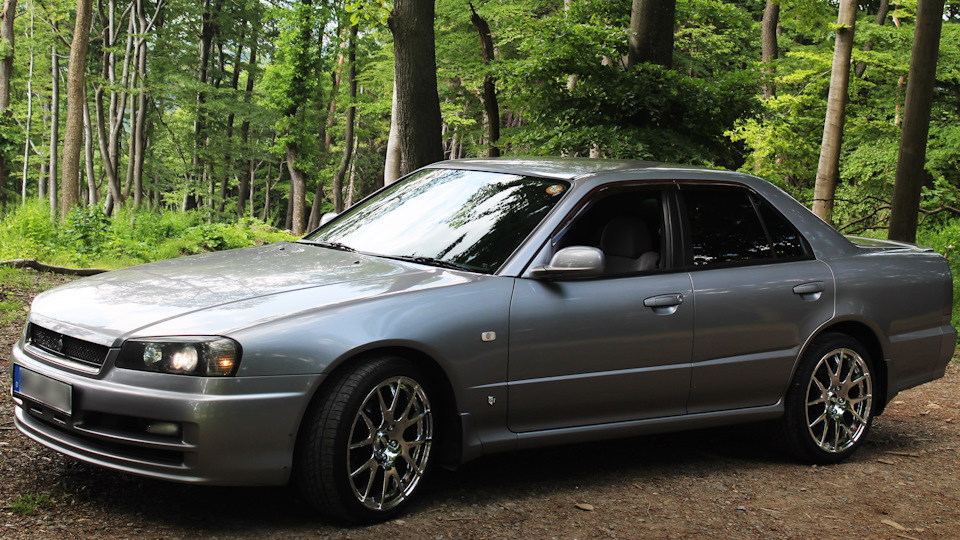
[[231, 431]]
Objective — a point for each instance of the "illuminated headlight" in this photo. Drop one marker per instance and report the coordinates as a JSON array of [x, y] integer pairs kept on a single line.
[[202, 356]]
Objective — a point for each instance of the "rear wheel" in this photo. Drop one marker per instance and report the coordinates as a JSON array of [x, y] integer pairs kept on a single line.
[[366, 446], [829, 405]]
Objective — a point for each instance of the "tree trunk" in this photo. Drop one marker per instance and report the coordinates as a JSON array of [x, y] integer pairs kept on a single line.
[[651, 32], [207, 32], [769, 49], [228, 169], [73, 129], [6, 71], [916, 121], [391, 167], [490, 104], [350, 122], [26, 142], [131, 150], [828, 170], [299, 93], [54, 130], [415, 72], [113, 182], [92, 192], [861, 67], [6, 51], [326, 119], [246, 185]]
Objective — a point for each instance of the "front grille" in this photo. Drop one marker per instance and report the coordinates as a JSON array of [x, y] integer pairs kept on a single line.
[[68, 347]]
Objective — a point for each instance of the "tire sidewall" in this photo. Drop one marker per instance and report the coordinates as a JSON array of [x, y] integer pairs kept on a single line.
[[337, 410], [795, 430]]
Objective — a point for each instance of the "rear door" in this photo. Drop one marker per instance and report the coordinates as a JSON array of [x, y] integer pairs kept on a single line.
[[759, 294]]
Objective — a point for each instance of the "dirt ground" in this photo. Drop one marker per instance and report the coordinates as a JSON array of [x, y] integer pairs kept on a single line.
[[730, 483]]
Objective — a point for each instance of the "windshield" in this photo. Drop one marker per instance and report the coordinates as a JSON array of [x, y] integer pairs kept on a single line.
[[471, 219]]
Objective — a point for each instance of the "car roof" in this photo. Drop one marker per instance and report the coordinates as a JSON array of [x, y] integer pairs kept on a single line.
[[560, 167]]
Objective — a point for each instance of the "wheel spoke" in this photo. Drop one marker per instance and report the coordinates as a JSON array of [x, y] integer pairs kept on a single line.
[[413, 465], [368, 464], [819, 419], [413, 399]]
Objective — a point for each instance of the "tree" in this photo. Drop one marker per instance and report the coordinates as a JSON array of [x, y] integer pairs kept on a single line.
[[6, 71], [76, 96], [490, 104], [415, 68], [651, 32], [768, 41], [916, 121], [348, 136], [828, 170]]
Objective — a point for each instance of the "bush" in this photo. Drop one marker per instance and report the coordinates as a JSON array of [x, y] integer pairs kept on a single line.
[[88, 237]]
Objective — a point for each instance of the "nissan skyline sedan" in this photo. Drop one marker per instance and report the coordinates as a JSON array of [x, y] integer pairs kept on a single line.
[[482, 306]]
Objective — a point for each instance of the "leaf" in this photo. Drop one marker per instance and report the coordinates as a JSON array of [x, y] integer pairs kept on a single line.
[[894, 524], [585, 507]]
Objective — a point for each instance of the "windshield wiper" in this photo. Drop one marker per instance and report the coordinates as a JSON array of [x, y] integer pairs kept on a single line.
[[432, 262], [330, 245]]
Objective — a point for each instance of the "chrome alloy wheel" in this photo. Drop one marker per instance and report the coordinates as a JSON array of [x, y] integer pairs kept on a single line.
[[839, 400], [389, 443]]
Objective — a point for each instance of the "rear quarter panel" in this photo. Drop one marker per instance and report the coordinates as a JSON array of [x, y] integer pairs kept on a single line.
[[906, 296]]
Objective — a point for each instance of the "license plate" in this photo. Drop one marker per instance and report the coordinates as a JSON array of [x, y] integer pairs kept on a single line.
[[40, 388]]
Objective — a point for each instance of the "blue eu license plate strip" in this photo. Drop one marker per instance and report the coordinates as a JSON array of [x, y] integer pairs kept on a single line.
[[42, 389]]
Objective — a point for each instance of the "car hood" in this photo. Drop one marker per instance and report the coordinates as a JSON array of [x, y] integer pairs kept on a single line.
[[119, 304]]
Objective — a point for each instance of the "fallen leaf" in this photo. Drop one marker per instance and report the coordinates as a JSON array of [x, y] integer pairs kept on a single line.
[[584, 506], [399, 522], [906, 454], [924, 413], [894, 524], [887, 461], [932, 406]]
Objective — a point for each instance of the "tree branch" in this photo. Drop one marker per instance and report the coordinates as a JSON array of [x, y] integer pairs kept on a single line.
[[37, 265]]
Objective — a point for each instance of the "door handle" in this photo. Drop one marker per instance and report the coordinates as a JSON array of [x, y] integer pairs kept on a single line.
[[664, 304], [809, 291], [664, 300]]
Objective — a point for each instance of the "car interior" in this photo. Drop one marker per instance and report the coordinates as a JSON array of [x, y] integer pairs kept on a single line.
[[626, 225]]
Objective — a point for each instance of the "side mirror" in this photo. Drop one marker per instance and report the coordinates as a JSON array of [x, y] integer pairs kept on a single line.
[[326, 218], [574, 262]]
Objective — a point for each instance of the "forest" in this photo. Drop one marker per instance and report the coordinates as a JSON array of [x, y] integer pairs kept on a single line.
[[133, 130]]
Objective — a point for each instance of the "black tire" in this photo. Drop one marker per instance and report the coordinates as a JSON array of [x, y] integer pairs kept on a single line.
[[365, 444], [829, 406]]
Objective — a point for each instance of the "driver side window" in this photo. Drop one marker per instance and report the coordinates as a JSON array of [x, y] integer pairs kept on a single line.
[[626, 224]]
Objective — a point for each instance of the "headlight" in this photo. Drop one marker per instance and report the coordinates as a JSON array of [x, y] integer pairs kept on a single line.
[[201, 356]]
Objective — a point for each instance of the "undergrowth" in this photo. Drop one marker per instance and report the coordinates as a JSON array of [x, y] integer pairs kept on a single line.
[[89, 238]]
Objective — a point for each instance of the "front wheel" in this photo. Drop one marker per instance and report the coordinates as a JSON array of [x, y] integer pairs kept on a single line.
[[367, 442], [829, 405]]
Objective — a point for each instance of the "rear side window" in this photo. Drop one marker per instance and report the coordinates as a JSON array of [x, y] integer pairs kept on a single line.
[[730, 226]]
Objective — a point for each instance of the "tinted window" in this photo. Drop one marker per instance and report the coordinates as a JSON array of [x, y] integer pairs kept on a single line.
[[787, 243], [724, 226], [470, 218]]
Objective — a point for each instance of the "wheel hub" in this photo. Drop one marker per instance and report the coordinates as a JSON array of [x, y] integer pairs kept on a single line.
[[386, 449]]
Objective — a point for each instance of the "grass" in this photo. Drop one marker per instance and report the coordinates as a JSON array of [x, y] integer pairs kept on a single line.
[[26, 505]]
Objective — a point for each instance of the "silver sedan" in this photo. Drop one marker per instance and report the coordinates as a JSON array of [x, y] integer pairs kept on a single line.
[[483, 306]]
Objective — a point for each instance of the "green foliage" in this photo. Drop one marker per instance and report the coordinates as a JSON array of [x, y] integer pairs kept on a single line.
[[26, 505], [575, 95], [89, 238], [945, 240]]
